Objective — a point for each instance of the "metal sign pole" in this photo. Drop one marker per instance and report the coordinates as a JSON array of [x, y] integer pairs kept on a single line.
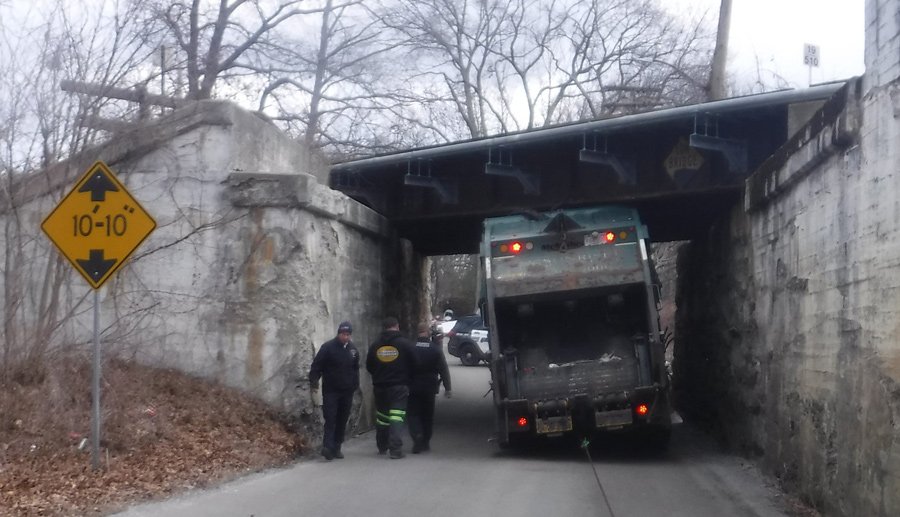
[[97, 226], [95, 387]]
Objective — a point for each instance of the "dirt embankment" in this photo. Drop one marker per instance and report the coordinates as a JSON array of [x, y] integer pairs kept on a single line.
[[163, 432]]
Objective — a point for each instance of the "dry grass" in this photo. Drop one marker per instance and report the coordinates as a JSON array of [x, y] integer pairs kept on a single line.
[[163, 432]]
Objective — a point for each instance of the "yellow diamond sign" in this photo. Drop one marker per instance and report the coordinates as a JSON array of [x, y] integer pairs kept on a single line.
[[98, 225]]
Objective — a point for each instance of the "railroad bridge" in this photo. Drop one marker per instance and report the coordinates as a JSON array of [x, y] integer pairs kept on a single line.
[[787, 334], [682, 167], [789, 288]]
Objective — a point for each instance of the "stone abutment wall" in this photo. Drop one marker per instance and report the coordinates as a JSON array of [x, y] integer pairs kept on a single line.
[[253, 263], [789, 310]]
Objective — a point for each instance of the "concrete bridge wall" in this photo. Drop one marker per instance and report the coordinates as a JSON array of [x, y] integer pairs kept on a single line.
[[253, 263], [789, 337]]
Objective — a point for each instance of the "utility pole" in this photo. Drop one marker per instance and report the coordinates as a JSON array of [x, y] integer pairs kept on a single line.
[[720, 54]]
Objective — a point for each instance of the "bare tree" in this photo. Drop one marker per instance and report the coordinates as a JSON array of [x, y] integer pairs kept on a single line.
[[455, 284], [310, 65], [220, 41], [41, 126], [765, 78], [667, 66], [505, 65], [357, 77], [454, 44], [328, 94]]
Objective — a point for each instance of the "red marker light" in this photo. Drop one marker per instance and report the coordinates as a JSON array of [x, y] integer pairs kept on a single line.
[[515, 247], [522, 421], [642, 409], [609, 236]]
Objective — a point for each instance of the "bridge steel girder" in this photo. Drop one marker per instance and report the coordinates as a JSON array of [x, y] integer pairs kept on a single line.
[[678, 195]]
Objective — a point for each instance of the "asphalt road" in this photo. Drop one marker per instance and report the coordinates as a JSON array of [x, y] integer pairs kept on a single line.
[[466, 476]]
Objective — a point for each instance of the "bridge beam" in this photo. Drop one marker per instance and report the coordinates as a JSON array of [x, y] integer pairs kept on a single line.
[[624, 168], [531, 183], [735, 151], [447, 191]]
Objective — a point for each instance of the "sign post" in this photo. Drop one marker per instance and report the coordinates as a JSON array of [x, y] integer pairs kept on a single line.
[[97, 226], [810, 58]]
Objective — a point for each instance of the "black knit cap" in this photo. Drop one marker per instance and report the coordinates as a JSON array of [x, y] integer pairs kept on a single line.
[[345, 326]]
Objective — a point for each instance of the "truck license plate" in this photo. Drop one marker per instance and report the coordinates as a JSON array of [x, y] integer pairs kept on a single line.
[[593, 240], [613, 418], [553, 424]]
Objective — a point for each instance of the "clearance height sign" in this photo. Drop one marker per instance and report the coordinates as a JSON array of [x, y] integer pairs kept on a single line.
[[98, 225]]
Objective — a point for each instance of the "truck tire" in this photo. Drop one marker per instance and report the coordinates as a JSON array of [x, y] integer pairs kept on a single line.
[[469, 355], [658, 439], [518, 441]]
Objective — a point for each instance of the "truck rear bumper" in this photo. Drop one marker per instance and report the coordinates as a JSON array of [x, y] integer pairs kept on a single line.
[[644, 406]]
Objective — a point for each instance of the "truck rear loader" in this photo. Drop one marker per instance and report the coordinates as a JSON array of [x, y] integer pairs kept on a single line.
[[572, 308]]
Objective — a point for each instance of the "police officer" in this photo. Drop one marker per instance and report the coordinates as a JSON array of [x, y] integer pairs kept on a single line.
[[431, 370], [337, 364], [391, 361]]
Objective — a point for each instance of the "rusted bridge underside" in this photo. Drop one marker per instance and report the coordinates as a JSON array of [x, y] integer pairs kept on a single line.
[[681, 167]]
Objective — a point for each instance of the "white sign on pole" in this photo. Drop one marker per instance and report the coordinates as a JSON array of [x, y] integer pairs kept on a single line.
[[810, 55]]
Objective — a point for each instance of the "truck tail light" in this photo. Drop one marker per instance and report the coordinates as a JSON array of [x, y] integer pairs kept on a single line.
[[610, 237], [516, 247], [522, 421], [642, 409]]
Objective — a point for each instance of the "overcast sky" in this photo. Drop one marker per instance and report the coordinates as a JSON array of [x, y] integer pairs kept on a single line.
[[774, 31]]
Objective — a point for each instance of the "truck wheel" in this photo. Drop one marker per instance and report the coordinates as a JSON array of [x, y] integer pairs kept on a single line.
[[468, 355], [658, 439], [518, 442]]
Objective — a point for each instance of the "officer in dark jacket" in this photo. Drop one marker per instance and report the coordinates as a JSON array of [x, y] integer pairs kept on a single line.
[[431, 370], [391, 361], [337, 364]]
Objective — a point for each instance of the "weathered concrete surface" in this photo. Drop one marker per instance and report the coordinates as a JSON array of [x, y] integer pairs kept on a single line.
[[882, 43], [253, 263], [788, 333]]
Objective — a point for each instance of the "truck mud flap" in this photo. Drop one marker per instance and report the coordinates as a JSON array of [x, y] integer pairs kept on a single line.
[[553, 424], [615, 418]]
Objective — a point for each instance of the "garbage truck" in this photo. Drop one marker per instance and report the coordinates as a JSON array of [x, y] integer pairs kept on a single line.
[[572, 306]]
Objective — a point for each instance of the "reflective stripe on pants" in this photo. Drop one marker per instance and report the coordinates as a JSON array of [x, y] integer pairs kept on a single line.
[[390, 416]]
